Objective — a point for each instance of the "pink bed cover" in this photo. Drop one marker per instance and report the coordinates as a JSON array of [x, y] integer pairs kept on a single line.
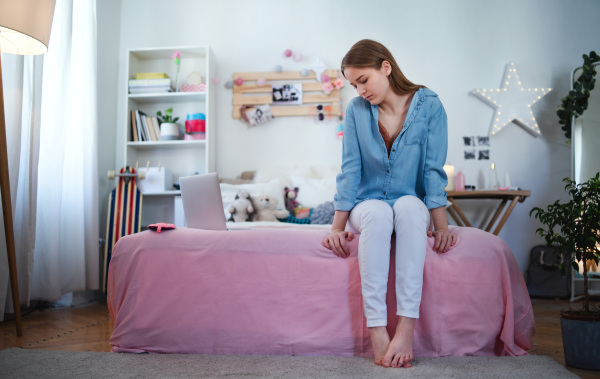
[[278, 291]]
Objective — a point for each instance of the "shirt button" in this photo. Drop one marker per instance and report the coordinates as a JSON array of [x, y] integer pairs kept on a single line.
[[384, 193], [388, 171], [393, 149]]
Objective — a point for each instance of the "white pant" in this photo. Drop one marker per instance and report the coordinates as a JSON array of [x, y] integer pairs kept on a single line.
[[375, 220]]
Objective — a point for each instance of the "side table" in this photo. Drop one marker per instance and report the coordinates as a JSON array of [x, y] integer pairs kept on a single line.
[[513, 195]]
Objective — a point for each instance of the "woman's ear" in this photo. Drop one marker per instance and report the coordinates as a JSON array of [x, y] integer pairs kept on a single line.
[[386, 68]]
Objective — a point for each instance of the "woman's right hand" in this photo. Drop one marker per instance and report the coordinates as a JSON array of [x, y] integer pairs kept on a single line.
[[336, 241]]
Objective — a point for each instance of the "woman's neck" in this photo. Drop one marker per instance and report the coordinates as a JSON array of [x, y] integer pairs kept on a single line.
[[394, 103]]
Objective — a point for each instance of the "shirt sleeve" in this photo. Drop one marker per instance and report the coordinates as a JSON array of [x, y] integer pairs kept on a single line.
[[435, 177], [347, 182]]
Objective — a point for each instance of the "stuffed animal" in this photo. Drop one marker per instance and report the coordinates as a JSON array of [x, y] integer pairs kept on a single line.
[[265, 209], [241, 209], [323, 213], [290, 195]]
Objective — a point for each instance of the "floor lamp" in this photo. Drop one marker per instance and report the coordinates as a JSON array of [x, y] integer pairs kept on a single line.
[[24, 30]]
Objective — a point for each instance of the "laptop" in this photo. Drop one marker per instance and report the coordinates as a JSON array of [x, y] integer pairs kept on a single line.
[[202, 203]]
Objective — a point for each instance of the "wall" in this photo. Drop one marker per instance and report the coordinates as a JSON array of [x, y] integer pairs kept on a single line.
[[452, 47], [108, 15]]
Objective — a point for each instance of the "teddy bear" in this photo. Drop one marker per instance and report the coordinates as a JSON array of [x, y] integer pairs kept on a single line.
[[291, 202], [241, 209], [265, 208]]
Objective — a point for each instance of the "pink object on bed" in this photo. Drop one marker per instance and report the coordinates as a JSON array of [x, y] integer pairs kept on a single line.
[[278, 291]]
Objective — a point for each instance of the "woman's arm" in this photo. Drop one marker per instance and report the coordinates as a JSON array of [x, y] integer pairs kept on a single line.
[[336, 239]]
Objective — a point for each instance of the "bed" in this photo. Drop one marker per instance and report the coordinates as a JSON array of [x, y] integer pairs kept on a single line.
[[273, 289]]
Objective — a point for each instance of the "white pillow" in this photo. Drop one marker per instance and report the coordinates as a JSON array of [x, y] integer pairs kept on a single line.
[[282, 173], [272, 188], [313, 192]]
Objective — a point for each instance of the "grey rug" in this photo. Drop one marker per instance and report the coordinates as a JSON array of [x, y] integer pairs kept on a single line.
[[24, 363]]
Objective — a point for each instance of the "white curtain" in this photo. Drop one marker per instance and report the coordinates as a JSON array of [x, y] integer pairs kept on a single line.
[[22, 78], [66, 243], [55, 194]]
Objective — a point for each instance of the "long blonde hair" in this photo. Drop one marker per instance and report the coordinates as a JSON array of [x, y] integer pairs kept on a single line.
[[367, 53]]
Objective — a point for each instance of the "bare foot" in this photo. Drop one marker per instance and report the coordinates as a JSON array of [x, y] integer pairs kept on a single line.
[[399, 352], [380, 340]]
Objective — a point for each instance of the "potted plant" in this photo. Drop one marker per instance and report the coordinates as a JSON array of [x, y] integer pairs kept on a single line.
[[573, 228], [169, 129]]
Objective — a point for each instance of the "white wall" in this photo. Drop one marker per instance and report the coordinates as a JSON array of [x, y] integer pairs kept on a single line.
[[452, 47], [108, 16]]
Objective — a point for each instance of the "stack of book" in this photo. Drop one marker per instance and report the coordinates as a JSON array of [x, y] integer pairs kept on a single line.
[[150, 82], [144, 127]]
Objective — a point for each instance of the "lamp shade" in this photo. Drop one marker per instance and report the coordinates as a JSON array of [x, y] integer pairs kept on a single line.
[[25, 26]]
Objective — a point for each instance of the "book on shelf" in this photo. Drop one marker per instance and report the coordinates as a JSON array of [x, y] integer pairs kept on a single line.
[[151, 75], [153, 89], [150, 85], [140, 121], [143, 127], [156, 126], [134, 132], [149, 82]]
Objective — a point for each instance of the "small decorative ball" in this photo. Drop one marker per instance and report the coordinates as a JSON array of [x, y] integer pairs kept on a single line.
[[229, 84], [261, 82], [216, 80], [305, 72], [298, 57], [287, 53], [325, 78], [239, 81], [277, 68]]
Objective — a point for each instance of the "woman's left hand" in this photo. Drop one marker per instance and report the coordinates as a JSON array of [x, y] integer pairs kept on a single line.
[[444, 240]]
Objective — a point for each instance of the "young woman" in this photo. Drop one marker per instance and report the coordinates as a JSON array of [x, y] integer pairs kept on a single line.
[[392, 180]]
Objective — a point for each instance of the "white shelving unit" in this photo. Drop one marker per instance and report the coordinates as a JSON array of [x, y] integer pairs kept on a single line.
[[180, 157]]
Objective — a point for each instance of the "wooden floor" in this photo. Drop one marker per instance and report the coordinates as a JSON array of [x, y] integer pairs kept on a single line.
[[88, 328]]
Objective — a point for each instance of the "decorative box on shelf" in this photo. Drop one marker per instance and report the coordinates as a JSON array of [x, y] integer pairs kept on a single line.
[[157, 180], [193, 87]]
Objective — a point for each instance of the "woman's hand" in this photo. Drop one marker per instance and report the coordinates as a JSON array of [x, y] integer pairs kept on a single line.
[[336, 241], [444, 240]]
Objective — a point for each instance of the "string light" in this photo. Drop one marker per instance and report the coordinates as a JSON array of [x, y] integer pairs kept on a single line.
[[515, 101]]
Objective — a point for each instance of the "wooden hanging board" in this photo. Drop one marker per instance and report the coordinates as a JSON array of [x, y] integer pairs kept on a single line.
[[250, 93]]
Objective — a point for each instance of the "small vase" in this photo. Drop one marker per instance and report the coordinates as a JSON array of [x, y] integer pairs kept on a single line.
[[169, 131]]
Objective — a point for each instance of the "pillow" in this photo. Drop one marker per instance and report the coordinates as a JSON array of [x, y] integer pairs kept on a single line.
[[281, 173], [273, 188], [313, 192]]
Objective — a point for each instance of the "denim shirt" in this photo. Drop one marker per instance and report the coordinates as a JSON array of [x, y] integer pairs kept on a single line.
[[415, 163]]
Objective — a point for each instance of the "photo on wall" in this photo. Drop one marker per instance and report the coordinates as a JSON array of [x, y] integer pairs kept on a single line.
[[287, 94], [259, 115], [476, 147]]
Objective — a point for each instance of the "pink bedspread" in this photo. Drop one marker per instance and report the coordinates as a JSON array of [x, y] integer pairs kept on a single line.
[[278, 291]]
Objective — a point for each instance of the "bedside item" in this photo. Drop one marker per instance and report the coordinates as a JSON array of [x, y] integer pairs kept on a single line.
[[449, 169], [493, 178], [459, 182]]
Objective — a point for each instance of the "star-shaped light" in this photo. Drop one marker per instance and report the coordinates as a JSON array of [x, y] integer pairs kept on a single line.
[[318, 67], [512, 102]]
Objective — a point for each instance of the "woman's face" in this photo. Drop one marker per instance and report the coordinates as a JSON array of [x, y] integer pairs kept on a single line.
[[370, 84]]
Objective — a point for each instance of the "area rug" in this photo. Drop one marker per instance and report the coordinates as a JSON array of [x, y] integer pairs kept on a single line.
[[25, 363]]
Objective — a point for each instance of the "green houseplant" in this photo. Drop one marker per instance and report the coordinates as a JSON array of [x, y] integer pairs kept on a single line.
[[167, 117], [576, 102], [573, 227], [169, 129]]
